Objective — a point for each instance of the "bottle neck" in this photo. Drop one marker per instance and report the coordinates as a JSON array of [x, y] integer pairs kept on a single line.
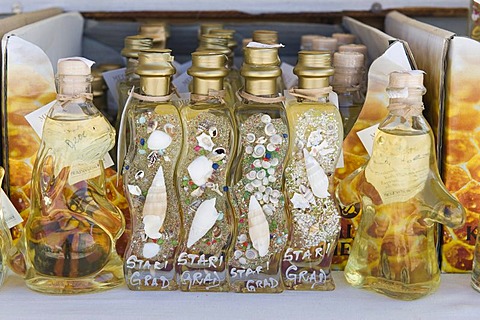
[[131, 69], [347, 79], [312, 83], [261, 87], [74, 85], [155, 86], [203, 85]]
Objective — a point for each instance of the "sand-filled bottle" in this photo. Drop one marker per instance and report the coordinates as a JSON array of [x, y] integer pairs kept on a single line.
[[257, 189], [203, 173], [316, 135], [402, 197], [70, 235], [149, 176]]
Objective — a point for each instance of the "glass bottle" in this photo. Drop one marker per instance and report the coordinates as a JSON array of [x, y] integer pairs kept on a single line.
[[5, 239], [203, 173], [316, 136], [473, 20], [149, 176], [360, 48], [257, 190], [157, 32], [69, 238], [402, 196], [347, 83]]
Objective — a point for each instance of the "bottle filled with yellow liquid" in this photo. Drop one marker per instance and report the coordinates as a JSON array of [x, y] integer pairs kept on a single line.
[[402, 198], [69, 239], [316, 136], [257, 189], [203, 177], [149, 176], [5, 238]]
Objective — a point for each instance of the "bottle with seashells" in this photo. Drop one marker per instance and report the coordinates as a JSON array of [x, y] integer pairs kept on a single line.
[[5, 238], [402, 199], [316, 136], [69, 238], [257, 189], [149, 176], [203, 173]]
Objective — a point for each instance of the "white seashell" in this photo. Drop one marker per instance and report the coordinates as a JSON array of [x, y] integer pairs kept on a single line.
[[251, 254], [242, 260], [200, 170], [265, 198], [261, 140], [258, 195], [307, 193], [257, 163], [242, 237], [134, 189], [266, 118], [139, 175], [158, 140], [151, 225], [276, 194], [261, 188], [197, 192], [205, 141], [271, 171], [265, 181], [268, 190], [217, 154], [237, 254], [268, 209], [276, 139], [192, 208], [151, 126], [299, 201], [272, 179], [209, 184], [274, 162], [261, 174], [300, 144], [266, 164], [203, 221], [169, 128], [150, 250], [213, 132], [249, 187], [248, 149], [256, 183], [273, 200], [270, 129], [270, 147], [252, 175], [203, 126], [258, 227], [259, 151], [314, 138], [317, 178], [156, 200], [251, 137]]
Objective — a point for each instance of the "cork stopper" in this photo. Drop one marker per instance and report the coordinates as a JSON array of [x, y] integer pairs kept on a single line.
[[313, 69], [205, 28], [73, 67], [78, 72], [405, 90], [348, 60], [157, 32], [208, 70], [265, 36], [261, 70], [306, 41], [344, 38], [324, 43], [406, 79], [228, 34], [360, 48], [134, 44]]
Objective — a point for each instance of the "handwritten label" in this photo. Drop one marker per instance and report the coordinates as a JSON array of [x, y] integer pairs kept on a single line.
[[316, 277], [253, 285], [112, 78], [147, 277], [367, 136], [181, 82], [203, 278], [315, 254], [399, 166], [10, 213], [292, 255], [199, 260]]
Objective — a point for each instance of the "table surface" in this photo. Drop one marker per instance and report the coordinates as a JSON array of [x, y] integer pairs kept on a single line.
[[455, 299]]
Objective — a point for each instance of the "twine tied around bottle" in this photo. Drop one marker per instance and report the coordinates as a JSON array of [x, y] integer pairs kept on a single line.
[[66, 98], [254, 98], [212, 94], [310, 94], [405, 110]]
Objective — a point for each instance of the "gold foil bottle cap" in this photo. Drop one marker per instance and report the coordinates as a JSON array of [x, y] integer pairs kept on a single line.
[[348, 60], [261, 70], [98, 84], [134, 44], [265, 36], [208, 70], [324, 43], [306, 41], [157, 31], [205, 28], [228, 34], [214, 42], [261, 56], [360, 48], [155, 63], [313, 69], [344, 38]]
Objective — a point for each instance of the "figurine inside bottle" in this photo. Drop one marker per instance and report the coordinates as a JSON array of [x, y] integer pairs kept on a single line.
[[316, 136], [203, 173], [148, 175], [402, 196], [70, 235], [257, 190]]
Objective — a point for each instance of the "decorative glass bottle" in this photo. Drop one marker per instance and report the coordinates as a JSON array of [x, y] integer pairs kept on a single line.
[[203, 173], [347, 83], [5, 239], [316, 135], [402, 196], [257, 189], [149, 176], [69, 239]]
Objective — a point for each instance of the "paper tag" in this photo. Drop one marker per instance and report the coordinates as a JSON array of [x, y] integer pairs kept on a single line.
[[10, 213], [367, 137], [289, 78], [181, 82], [254, 44], [112, 78], [182, 68], [89, 63], [333, 98], [177, 65]]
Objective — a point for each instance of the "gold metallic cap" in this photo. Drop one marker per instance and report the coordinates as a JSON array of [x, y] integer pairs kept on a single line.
[[324, 43], [134, 44], [314, 64], [205, 28], [344, 38], [261, 70], [348, 60], [265, 36], [98, 84], [108, 67], [213, 42], [155, 63], [228, 34], [261, 56], [360, 48], [208, 65], [157, 31]]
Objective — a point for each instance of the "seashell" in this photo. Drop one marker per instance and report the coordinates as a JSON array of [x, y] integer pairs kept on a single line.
[[261, 140], [218, 154], [150, 250], [258, 227], [261, 174], [248, 149], [268, 209], [197, 192], [252, 175], [203, 221], [259, 151], [270, 147], [242, 238], [268, 190], [158, 140], [317, 178], [200, 170], [169, 128], [213, 132], [209, 184], [152, 225], [270, 129], [299, 202], [314, 138], [261, 188], [256, 183], [258, 195], [216, 231], [203, 126], [276, 139], [151, 126], [266, 164], [192, 208], [139, 175], [257, 163], [249, 187], [265, 181], [134, 189], [274, 162], [307, 193], [152, 158], [237, 254], [274, 200], [156, 200], [251, 254], [300, 144], [272, 179], [265, 198], [205, 141], [250, 137], [271, 171], [266, 118], [242, 260], [276, 194]]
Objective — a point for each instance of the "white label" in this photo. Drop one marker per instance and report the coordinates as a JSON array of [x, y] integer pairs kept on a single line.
[[181, 82], [10, 213], [289, 78], [177, 65], [254, 44], [145, 274], [367, 136], [182, 68], [112, 78], [333, 98], [399, 166]]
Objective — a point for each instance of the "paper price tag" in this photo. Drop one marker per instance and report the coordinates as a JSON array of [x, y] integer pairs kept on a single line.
[[112, 78], [367, 136], [182, 68], [289, 78], [10, 213], [181, 82]]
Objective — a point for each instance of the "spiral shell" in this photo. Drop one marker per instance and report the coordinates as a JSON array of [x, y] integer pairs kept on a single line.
[[270, 129], [259, 151], [250, 137], [317, 178], [266, 118], [203, 221], [251, 254], [258, 227], [213, 131], [139, 175], [155, 203]]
